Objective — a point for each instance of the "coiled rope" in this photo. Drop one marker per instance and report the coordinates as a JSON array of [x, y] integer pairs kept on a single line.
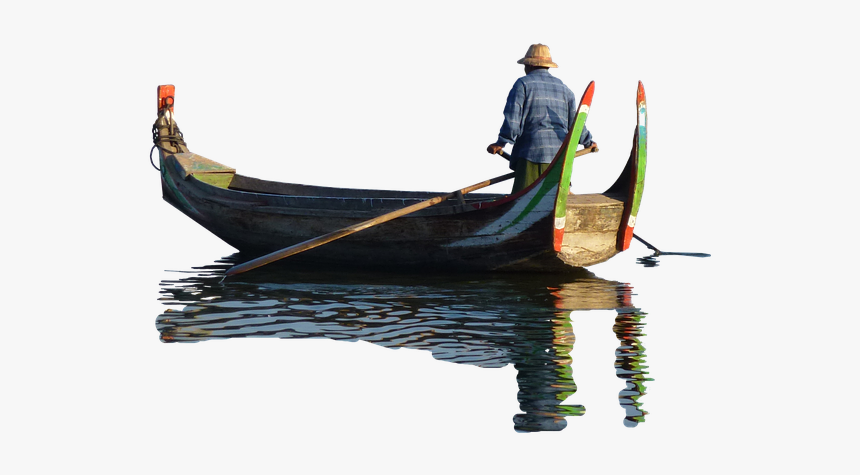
[[175, 138]]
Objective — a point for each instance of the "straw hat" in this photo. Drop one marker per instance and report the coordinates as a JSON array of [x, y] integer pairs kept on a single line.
[[538, 55]]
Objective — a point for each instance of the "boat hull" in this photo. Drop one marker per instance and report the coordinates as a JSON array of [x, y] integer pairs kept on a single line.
[[452, 235]]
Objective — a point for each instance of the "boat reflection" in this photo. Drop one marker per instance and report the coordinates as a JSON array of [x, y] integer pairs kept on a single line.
[[484, 320]]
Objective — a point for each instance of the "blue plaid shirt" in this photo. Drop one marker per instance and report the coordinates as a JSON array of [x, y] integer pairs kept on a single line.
[[539, 113]]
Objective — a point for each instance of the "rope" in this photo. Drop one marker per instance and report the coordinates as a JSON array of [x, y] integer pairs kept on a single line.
[[150, 158], [175, 139]]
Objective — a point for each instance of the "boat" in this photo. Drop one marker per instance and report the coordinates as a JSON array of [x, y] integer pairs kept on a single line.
[[542, 228]]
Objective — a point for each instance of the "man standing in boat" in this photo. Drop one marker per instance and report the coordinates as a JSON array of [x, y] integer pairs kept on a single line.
[[538, 115]]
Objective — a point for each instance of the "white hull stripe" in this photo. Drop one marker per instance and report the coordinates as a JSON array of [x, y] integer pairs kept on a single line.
[[501, 229]]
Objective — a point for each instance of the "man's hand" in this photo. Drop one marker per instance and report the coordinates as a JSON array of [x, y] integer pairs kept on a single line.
[[494, 148], [593, 146]]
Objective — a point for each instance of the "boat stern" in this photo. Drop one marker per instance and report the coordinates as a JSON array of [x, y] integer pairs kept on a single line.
[[591, 229]]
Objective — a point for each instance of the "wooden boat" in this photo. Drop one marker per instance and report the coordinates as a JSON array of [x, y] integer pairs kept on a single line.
[[542, 228]]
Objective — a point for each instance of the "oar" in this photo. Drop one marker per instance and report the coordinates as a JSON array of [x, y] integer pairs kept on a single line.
[[661, 253], [334, 235], [579, 153]]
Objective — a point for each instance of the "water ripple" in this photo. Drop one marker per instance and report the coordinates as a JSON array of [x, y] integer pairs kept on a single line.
[[489, 321]]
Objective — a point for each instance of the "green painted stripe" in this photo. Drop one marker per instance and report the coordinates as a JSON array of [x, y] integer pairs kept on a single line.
[[545, 187], [642, 145], [567, 167]]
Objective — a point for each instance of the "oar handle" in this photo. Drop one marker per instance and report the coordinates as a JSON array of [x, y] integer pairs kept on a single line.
[[579, 153]]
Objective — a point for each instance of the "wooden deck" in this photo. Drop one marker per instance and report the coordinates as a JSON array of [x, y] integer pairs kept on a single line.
[[205, 170]]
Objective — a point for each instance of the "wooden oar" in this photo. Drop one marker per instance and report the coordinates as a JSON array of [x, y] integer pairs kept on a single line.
[[579, 153], [658, 252], [327, 238]]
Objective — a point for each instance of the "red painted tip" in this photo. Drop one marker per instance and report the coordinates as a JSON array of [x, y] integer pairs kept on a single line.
[[640, 94], [628, 236], [557, 238], [166, 94], [589, 92]]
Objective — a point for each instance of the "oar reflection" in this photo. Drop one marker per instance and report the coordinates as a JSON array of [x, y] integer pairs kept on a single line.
[[484, 320]]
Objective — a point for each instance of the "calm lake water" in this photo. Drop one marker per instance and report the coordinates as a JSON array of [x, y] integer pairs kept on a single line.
[[485, 320]]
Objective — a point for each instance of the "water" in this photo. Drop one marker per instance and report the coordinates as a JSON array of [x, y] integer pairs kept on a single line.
[[489, 321]]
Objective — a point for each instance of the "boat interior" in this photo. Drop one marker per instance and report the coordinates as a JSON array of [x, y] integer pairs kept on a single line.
[[222, 176], [255, 185]]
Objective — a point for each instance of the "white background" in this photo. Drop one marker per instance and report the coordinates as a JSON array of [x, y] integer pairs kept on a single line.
[[752, 157]]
